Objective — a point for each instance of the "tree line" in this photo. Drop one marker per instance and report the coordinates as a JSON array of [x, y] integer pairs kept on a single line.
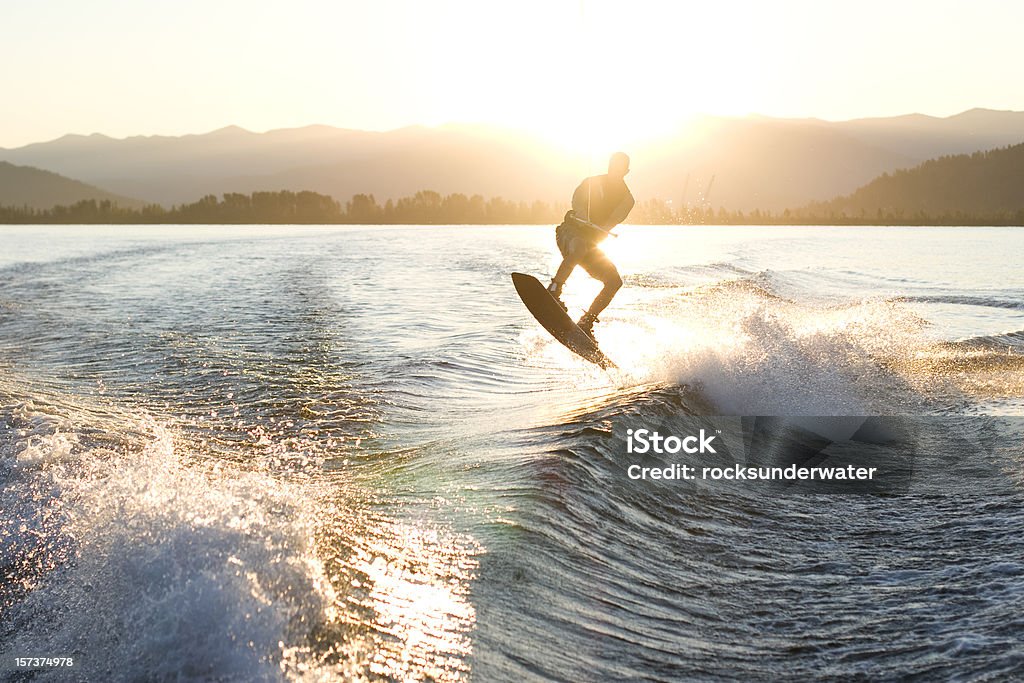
[[427, 207], [286, 207]]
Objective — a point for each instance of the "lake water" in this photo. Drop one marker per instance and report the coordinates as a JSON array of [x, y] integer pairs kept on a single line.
[[294, 453]]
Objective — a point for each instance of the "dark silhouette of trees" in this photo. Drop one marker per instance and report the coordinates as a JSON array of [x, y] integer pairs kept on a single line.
[[425, 207], [989, 183], [362, 208], [986, 188]]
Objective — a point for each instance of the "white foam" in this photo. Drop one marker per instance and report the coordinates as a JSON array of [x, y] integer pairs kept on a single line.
[[751, 353], [147, 566]]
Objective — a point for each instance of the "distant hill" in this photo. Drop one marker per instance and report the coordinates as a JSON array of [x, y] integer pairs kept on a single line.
[[980, 183], [927, 137], [746, 163], [38, 189]]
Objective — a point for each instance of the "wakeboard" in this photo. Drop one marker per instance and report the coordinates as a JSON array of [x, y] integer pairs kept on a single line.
[[553, 318]]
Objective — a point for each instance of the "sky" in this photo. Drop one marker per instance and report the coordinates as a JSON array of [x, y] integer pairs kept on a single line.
[[567, 70]]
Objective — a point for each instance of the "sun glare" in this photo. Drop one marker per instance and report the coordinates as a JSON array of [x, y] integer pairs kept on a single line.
[[594, 77]]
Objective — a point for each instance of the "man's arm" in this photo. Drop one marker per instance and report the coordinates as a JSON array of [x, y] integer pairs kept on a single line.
[[620, 212]]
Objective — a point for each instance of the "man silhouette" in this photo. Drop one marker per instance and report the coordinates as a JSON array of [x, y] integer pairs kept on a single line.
[[599, 204]]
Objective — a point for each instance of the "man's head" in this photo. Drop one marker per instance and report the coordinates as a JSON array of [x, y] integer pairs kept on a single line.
[[618, 165]]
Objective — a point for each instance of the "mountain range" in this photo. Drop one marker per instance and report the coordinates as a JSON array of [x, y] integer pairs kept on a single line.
[[739, 163]]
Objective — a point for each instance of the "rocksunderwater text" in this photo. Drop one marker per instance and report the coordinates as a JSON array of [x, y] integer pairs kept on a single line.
[[741, 473], [644, 441]]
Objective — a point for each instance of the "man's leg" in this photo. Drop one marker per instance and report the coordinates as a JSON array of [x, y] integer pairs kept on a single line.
[[571, 248], [561, 275], [600, 268]]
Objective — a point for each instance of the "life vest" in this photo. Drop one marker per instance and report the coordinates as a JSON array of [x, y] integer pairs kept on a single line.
[[603, 201]]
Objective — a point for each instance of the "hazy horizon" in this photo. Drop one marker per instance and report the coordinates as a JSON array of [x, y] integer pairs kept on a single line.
[[126, 70], [510, 129]]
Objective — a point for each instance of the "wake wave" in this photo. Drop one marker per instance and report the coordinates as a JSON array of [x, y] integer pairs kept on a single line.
[[128, 556], [1007, 342], [752, 351], [967, 300]]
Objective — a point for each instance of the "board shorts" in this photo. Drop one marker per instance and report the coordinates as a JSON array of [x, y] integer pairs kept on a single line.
[[582, 250]]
